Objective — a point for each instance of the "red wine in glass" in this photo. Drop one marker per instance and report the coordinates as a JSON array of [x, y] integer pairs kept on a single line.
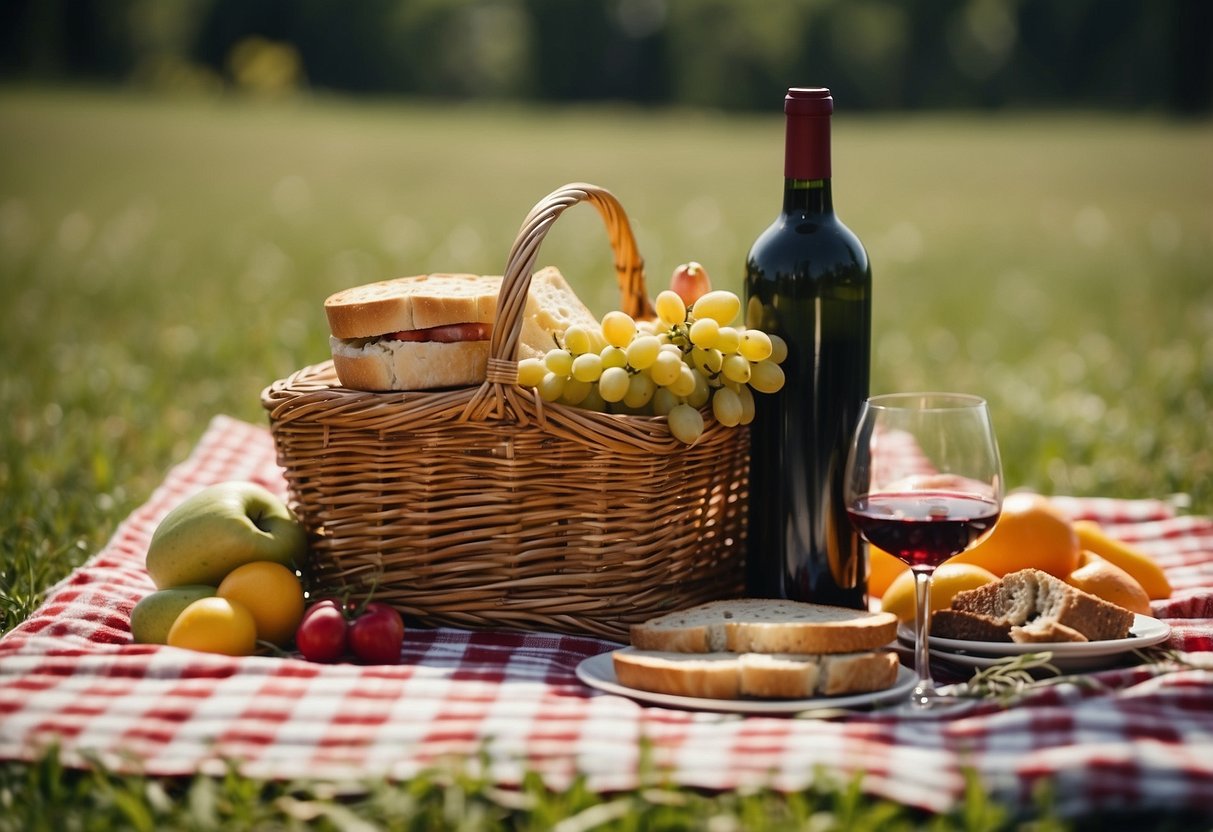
[[923, 528]]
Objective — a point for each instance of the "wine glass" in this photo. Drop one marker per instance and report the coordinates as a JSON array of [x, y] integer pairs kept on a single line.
[[924, 482]]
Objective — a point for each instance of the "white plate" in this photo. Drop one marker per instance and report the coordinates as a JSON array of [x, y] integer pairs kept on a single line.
[[599, 672], [1067, 655]]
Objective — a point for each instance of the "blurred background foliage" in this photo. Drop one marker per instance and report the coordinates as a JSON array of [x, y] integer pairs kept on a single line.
[[721, 54]]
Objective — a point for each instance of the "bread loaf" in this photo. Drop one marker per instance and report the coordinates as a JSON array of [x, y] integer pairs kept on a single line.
[[759, 625], [1034, 606], [723, 675]]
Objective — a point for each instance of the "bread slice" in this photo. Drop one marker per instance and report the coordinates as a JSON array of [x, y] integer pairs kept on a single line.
[[724, 675], [702, 675], [969, 626], [1043, 631], [760, 625], [381, 364], [1030, 596], [416, 302]]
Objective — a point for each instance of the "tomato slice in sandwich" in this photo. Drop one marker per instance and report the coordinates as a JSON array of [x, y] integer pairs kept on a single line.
[[446, 334]]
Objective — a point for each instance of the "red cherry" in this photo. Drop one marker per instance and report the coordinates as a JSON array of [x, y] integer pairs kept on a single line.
[[377, 635], [323, 632]]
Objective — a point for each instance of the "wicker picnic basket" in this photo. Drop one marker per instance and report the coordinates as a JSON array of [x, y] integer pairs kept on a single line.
[[486, 507]]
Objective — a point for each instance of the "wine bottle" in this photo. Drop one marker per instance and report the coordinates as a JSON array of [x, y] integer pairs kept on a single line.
[[808, 280]]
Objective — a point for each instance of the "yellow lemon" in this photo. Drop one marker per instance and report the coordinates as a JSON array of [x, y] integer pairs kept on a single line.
[[1108, 581], [215, 625], [1138, 564], [272, 593], [883, 569], [1031, 533], [948, 580]]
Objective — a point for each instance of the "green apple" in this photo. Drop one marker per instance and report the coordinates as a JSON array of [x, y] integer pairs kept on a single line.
[[153, 616], [219, 528]]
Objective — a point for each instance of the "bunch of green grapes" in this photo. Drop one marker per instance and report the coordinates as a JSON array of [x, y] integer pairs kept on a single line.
[[675, 366]]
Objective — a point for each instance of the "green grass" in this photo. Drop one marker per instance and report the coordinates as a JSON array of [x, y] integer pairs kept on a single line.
[[163, 260]]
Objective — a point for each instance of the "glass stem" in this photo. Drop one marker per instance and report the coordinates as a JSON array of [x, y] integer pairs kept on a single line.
[[924, 693]]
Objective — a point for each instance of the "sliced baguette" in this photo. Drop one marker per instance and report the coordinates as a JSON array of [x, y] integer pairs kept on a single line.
[[759, 625], [760, 675]]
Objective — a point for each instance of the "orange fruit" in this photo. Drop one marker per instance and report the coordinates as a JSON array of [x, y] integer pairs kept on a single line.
[[1108, 581], [948, 580], [883, 568], [1138, 564], [1031, 533], [271, 593], [215, 625]]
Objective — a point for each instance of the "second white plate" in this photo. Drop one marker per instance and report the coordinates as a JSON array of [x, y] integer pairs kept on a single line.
[[1067, 655]]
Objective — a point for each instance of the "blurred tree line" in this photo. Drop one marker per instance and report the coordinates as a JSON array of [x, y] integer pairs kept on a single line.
[[725, 54]]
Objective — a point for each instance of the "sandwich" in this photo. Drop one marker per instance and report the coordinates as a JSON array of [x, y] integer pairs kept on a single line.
[[432, 331], [760, 648]]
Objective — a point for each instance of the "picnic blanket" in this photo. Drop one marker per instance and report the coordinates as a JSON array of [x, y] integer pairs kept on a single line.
[[1142, 737]]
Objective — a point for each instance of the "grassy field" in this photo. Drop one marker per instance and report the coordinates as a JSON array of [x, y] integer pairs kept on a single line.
[[161, 261]]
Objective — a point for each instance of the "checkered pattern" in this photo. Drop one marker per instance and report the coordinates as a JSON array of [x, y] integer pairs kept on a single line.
[[71, 676]]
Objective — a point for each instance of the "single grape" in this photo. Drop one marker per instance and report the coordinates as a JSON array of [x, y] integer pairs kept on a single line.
[[613, 384], [613, 357], [704, 333], [766, 376], [559, 362], [726, 407], [593, 401], [640, 390], [670, 308], [722, 306], [575, 391], [684, 385], [587, 367], [531, 372], [779, 349], [664, 401], [699, 396], [728, 339], [618, 328], [747, 404], [666, 368], [551, 387], [686, 423], [755, 345], [641, 352], [736, 368], [707, 361], [577, 339]]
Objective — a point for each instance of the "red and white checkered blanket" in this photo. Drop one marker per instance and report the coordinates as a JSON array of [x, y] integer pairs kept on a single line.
[[71, 676]]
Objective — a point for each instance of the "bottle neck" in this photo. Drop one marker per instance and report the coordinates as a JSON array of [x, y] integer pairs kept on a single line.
[[811, 196], [806, 164]]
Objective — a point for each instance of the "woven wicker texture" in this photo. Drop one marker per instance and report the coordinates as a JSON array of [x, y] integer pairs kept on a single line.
[[486, 507]]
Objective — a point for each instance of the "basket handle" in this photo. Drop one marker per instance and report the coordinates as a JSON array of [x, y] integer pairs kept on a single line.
[[516, 282]]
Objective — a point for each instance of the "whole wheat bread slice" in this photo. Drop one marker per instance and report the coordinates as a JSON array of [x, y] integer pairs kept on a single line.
[[759, 625]]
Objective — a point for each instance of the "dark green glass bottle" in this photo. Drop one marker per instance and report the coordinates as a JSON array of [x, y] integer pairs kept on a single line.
[[808, 281]]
